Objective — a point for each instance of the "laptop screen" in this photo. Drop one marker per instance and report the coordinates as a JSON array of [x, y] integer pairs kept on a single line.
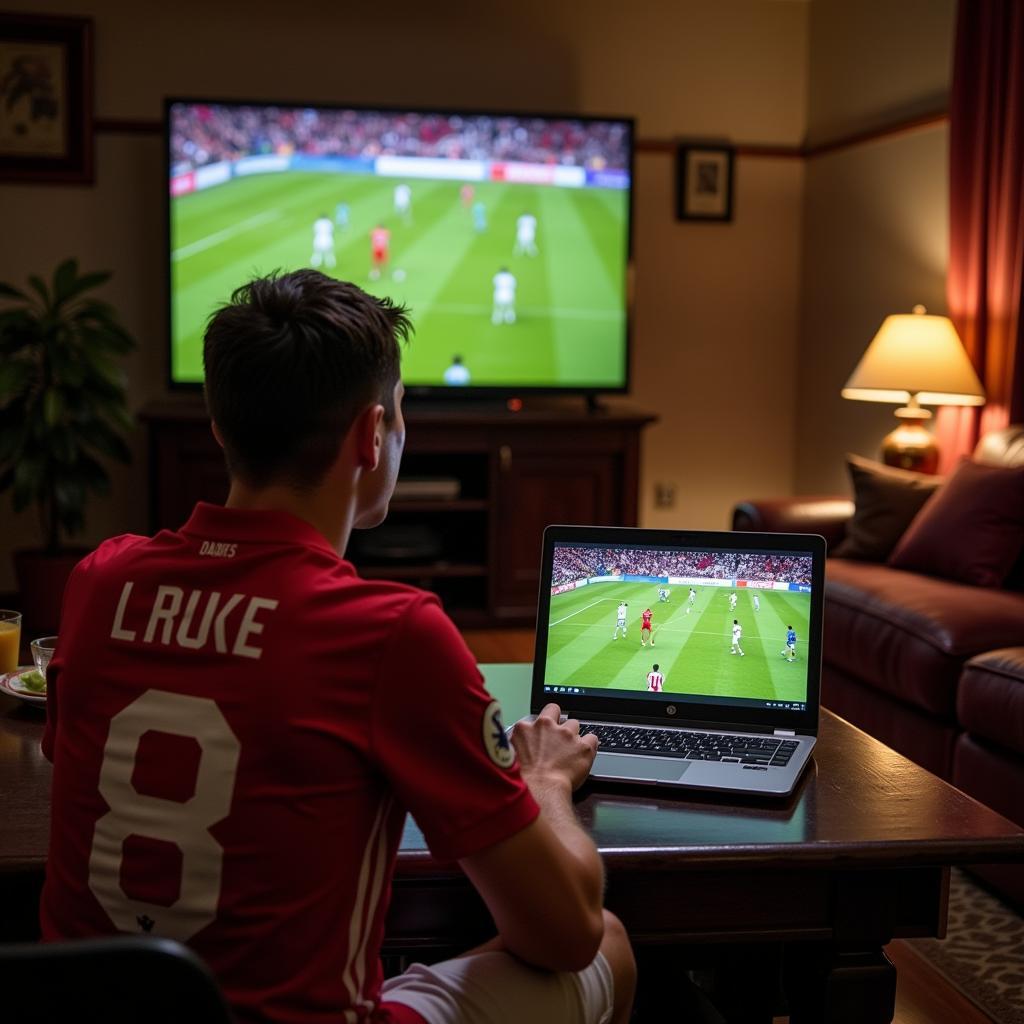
[[679, 623]]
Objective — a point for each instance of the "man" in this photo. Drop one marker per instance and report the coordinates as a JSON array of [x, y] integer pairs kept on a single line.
[[690, 600], [380, 239], [655, 680], [645, 626], [789, 652], [526, 234], [503, 309], [737, 635], [757, 603], [620, 620], [239, 724], [662, 594], [323, 242], [732, 602]]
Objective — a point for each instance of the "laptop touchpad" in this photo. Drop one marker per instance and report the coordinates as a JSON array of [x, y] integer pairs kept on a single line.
[[654, 769]]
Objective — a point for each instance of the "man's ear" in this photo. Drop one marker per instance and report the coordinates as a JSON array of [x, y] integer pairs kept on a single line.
[[216, 433], [368, 435]]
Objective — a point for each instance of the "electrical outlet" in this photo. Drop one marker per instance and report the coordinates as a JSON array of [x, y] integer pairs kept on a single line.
[[665, 495]]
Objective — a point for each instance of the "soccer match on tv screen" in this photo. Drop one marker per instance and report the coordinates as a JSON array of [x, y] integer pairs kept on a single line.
[[726, 625], [507, 237]]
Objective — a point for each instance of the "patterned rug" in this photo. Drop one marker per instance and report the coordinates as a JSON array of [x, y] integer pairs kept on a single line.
[[983, 952]]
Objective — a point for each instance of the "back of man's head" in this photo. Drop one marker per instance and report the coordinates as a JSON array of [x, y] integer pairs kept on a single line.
[[290, 362]]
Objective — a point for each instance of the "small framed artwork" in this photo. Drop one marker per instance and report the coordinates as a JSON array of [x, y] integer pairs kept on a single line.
[[704, 180], [45, 98]]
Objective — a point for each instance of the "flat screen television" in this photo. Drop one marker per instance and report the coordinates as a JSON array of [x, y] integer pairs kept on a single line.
[[507, 235]]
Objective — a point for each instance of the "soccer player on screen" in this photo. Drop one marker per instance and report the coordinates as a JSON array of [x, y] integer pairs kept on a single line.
[[645, 626], [456, 375], [466, 195], [737, 635], [732, 602], [789, 652], [691, 598], [341, 216], [662, 594], [323, 242], [655, 680], [620, 621], [403, 202], [380, 241], [757, 603], [479, 217], [526, 234], [503, 309]]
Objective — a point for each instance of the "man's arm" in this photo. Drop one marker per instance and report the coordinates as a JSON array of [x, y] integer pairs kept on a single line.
[[544, 886]]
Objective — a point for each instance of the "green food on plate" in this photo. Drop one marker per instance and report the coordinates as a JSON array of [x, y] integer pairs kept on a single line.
[[34, 681]]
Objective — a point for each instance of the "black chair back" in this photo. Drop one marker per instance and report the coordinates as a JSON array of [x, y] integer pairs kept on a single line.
[[120, 980]]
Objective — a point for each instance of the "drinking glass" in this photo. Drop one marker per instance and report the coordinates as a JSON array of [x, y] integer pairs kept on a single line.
[[42, 651], [10, 639]]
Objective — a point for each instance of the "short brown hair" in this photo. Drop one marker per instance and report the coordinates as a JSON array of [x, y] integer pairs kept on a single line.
[[290, 361]]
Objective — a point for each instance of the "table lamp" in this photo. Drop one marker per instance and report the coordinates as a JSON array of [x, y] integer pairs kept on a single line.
[[915, 359]]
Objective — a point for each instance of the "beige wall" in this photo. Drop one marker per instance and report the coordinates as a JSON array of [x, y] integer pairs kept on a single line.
[[717, 305], [875, 227]]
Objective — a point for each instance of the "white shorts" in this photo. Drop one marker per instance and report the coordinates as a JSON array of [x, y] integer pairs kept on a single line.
[[496, 988]]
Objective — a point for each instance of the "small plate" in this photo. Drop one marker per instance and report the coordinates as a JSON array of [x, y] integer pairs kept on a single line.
[[12, 686]]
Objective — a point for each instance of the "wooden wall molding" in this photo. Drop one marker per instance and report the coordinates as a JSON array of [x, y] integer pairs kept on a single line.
[[666, 147]]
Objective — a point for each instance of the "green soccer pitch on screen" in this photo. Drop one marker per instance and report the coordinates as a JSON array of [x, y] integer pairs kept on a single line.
[[507, 236]]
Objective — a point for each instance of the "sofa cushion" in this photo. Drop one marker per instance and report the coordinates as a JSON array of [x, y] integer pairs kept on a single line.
[[886, 500], [971, 530], [990, 701], [909, 635]]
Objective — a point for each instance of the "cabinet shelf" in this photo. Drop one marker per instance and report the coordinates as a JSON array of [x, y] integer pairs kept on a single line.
[[425, 571], [439, 505]]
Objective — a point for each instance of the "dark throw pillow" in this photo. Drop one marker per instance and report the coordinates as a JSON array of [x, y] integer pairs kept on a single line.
[[971, 531], [886, 499]]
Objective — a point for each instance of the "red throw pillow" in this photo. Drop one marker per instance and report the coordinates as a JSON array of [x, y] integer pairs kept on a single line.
[[971, 530]]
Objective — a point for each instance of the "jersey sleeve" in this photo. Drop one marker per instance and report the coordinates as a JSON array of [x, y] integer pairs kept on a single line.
[[437, 736]]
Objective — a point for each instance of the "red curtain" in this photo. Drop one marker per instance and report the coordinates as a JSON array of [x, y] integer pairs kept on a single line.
[[985, 285]]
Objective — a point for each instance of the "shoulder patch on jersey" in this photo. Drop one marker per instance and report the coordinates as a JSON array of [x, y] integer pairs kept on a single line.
[[496, 741]]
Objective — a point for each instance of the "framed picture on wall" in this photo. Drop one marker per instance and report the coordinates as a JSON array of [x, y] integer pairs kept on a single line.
[[45, 98], [704, 181]]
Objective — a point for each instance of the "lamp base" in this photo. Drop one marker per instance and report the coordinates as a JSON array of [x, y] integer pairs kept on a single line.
[[910, 446]]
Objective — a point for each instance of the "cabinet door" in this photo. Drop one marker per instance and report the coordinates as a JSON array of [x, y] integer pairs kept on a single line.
[[533, 491]]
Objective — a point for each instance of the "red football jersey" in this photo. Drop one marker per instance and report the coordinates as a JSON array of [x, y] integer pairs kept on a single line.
[[379, 238], [647, 619], [655, 681], [238, 725]]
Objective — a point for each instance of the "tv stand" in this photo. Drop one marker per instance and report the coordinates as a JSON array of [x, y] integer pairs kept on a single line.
[[478, 487], [594, 405]]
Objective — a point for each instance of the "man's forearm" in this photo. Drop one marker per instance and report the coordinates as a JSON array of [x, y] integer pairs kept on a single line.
[[554, 796]]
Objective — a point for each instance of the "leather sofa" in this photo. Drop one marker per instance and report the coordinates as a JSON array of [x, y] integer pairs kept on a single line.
[[931, 667]]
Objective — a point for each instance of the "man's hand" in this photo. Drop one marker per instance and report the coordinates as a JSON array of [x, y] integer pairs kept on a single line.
[[553, 752]]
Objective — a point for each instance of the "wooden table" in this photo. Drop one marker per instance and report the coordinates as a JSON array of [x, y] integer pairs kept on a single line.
[[808, 889]]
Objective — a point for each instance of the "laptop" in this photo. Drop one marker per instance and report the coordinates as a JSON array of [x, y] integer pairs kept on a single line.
[[694, 656]]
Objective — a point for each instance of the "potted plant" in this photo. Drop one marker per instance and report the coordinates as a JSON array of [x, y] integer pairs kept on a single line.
[[62, 411]]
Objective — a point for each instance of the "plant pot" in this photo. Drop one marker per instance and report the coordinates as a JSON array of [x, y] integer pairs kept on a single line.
[[41, 577]]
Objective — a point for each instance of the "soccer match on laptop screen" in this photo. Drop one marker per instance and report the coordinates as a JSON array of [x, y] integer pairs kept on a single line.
[[507, 236], [718, 626]]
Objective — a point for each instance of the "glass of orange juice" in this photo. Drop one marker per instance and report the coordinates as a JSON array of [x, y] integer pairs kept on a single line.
[[10, 639]]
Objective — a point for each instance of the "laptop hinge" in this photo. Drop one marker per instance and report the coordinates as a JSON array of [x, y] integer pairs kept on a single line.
[[785, 732]]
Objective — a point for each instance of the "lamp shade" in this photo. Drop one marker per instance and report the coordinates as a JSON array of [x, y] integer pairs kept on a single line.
[[916, 355]]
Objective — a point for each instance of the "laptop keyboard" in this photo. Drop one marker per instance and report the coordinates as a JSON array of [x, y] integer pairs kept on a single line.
[[694, 746]]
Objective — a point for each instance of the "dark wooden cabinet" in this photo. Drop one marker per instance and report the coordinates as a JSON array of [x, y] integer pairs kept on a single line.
[[507, 475]]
